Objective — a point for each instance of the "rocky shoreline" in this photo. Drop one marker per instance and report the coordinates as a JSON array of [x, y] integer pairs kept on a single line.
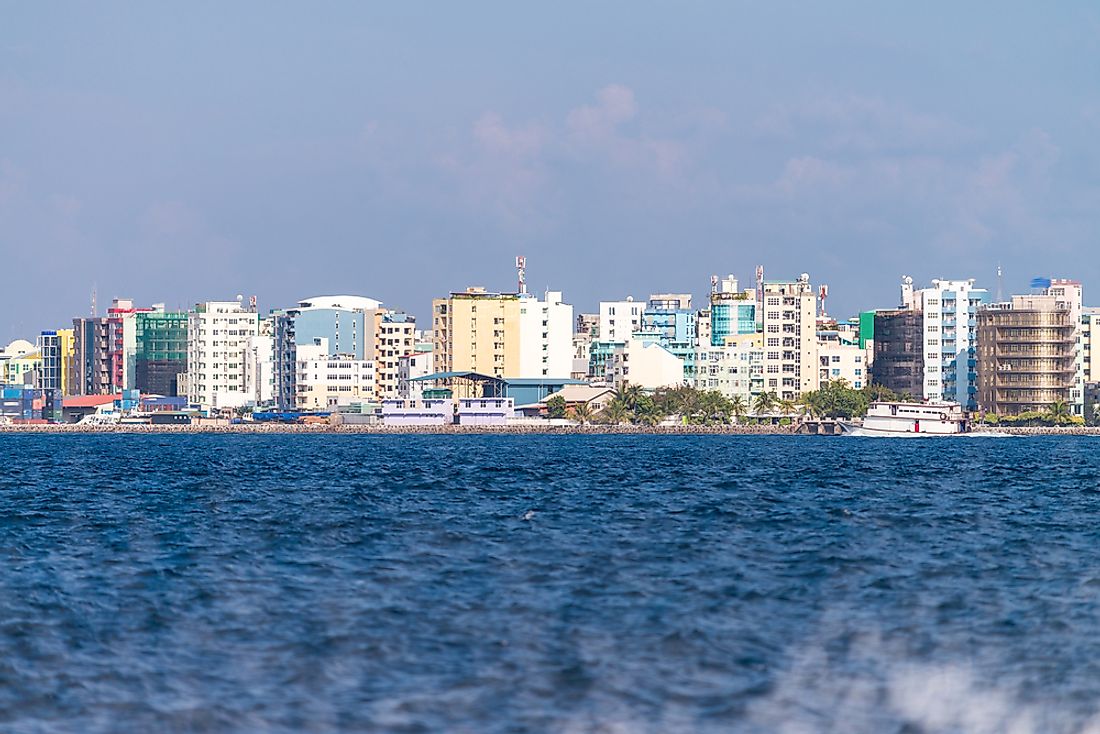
[[269, 428]]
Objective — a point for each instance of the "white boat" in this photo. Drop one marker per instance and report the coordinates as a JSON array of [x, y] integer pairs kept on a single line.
[[933, 419]]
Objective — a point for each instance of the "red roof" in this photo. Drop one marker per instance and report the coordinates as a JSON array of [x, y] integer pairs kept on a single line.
[[88, 401]]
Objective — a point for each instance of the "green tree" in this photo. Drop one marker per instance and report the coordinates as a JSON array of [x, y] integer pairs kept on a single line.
[[582, 413], [738, 407], [765, 403], [787, 407], [1059, 412], [628, 395], [616, 412], [555, 407], [646, 411], [835, 399]]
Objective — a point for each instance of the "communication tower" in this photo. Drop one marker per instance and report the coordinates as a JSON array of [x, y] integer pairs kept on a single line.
[[521, 272]]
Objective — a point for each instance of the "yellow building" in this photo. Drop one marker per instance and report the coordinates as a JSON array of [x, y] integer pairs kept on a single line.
[[477, 331], [19, 358], [65, 337]]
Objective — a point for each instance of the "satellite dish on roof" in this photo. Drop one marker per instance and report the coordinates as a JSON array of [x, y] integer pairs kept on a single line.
[[239, 298]]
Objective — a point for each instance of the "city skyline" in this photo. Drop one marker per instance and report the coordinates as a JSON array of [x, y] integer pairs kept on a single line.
[[624, 149]]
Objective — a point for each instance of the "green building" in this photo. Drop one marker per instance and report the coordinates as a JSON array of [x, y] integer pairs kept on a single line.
[[866, 328], [160, 352]]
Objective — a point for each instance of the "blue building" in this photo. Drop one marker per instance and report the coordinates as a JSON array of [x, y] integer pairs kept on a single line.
[[670, 320]]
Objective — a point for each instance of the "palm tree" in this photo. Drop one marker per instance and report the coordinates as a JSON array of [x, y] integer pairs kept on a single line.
[[787, 406], [764, 403], [582, 413], [738, 407], [1059, 412], [647, 412], [615, 413], [628, 395]]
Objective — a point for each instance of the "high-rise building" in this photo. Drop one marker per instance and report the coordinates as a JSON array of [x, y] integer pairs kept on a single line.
[[476, 331], [732, 312], [394, 335], [1090, 345], [1027, 354], [50, 375], [123, 340], [93, 368], [341, 320], [790, 337], [218, 335], [949, 310], [899, 351], [1069, 293], [284, 359], [65, 340], [159, 351], [671, 318], [545, 337], [735, 369], [620, 319]]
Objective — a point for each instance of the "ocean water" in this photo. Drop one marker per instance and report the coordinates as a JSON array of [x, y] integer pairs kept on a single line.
[[567, 584]]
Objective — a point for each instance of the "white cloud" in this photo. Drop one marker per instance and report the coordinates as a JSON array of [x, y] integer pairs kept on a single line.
[[616, 105], [496, 137]]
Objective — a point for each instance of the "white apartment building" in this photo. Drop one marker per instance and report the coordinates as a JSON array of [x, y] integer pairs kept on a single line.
[[1090, 344], [545, 337], [259, 366], [735, 369], [328, 381], [949, 310], [218, 334], [409, 367], [620, 319], [395, 335], [846, 362], [644, 363], [790, 337], [1069, 292]]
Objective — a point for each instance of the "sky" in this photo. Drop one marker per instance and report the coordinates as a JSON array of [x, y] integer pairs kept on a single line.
[[194, 151]]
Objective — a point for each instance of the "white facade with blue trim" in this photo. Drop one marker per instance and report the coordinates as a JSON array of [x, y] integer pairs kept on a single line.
[[950, 310]]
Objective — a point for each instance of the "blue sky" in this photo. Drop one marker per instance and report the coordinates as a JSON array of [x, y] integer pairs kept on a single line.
[[196, 151]]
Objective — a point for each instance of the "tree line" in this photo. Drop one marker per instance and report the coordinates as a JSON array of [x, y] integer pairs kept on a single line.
[[835, 399]]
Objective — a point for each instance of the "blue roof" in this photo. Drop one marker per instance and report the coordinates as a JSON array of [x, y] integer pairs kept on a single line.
[[449, 375]]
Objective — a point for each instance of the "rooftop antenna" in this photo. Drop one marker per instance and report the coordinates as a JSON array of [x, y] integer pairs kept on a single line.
[[823, 293], [1000, 284], [521, 272], [759, 282], [714, 284], [95, 307]]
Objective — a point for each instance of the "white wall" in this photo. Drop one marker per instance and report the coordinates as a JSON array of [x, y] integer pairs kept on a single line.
[[620, 319], [646, 364], [545, 337], [217, 346]]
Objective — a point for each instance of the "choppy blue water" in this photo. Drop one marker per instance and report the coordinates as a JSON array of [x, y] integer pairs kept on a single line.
[[549, 584]]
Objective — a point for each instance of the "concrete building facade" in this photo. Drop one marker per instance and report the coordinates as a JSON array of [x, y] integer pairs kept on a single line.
[[328, 381], [1027, 354], [545, 336], [477, 331], [645, 363], [949, 310], [735, 368], [218, 334], [790, 337]]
